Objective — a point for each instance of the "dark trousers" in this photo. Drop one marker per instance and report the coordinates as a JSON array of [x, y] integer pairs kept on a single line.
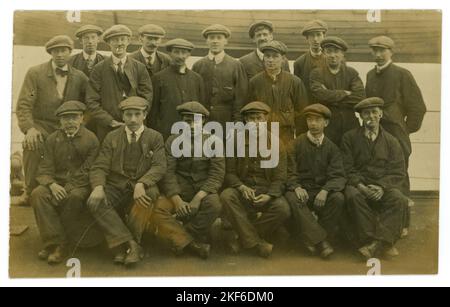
[[382, 220], [303, 224], [242, 214], [198, 227], [31, 161], [57, 220]]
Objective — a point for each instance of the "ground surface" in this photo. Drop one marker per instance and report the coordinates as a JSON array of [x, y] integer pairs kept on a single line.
[[419, 254]]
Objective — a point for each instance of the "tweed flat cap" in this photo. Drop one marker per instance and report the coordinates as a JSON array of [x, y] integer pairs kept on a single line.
[[369, 103], [88, 29], [255, 25], [135, 103], [152, 30], [314, 25], [336, 42], [317, 109], [179, 43], [59, 41], [256, 107], [192, 107], [276, 46], [71, 107], [116, 30], [216, 29], [382, 41]]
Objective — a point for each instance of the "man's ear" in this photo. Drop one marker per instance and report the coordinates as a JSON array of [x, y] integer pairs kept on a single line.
[[145, 114], [327, 122], [381, 113]]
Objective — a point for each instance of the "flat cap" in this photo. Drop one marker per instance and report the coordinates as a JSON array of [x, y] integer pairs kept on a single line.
[[369, 103], [256, 25], [135, 103], [216, 29], [193, 107], [71, 107], [317, 109], [88, 29], [336, 42], [276, 46], [382, 41], [59, 41], [116, 30], [179, 43], [314, 25], [256, 107], [152, 30]]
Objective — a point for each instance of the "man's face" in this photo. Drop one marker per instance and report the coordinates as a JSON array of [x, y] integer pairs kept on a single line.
[[334, 56], [150, 43], [256, 118], [273, 60], [315, 38], [262, 36], [179, 56], [371, 117], [316, 124], [90, 42], [134, 119], [190, 120], [119, 45], [381, 55], [61, 55], [70, 123], [216, 43]]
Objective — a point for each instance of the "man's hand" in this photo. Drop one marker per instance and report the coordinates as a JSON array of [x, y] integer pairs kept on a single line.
[[32, 139], [58, 192], [182, 210], [97, 197], [115, 124], [140, 197], [377, 192], [302, 194], [348, 93], [262, 199], [248, 193], [321, 199], [195, 206]]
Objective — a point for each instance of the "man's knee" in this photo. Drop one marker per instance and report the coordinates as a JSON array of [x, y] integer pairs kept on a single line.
[[40, 196], [337, 200], [281, 208], [213, 203], [229, 196], [395, 197]]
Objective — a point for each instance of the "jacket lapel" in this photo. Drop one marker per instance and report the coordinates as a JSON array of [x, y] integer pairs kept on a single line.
[[121, 145], [128, 70]]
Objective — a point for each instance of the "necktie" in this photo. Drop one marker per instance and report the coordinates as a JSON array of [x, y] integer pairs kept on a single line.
[[90, 64], [149, 60], [371, 136], [133, 138], [61, 72]]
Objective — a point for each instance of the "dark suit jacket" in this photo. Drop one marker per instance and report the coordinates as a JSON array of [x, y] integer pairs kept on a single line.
[[162, 58], [108, 167], [253, 64], [80, 63], [104, 93], [39, 97]]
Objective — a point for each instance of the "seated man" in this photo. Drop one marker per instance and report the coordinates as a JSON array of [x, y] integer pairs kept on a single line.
[[64, 183], [316, 179], [254, 202], [130, 164], [192, 185], [375, 166]]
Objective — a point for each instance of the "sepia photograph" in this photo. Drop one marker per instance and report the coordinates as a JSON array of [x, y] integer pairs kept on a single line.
[[201, 143]]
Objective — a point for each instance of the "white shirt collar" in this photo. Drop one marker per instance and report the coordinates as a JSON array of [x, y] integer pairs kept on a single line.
[[65, 67], [146, 55], [314, 54], [368, 134], [116, 60], [381, 68], [317, 141], [91, 57], [138, 133], [218, 57], [260, 54]]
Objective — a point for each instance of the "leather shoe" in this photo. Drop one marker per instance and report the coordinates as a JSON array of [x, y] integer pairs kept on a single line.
[[371, 250], [264, 249], [326, 250], [58, 255], [200, 249], [135, 255]]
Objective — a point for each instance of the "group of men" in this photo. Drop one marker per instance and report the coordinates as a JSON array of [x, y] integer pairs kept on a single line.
[[98, 139]]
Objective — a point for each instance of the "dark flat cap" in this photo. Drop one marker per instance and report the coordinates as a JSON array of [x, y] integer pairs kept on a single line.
[[369, 103], [315, 25], [276, 46], [382, 42], [135, 103], [216, 29], [152, 30], [88, 29], [179, 43], [256, 107], [336, 42], [255, 25], [59, 41], [192, 107], [317, 109], [116, 30], [70, 107]]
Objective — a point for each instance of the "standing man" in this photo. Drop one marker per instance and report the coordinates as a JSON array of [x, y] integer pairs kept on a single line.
[[151, 38], [339, 87], [316, 178], [404, 105], [113, 80], [225, 79], [64, 181], [89, 36], [44, 89], [261, 33], [375, 167], [130, 164], [174, 86], [192, 186], [253, 190], [314, 32], [283, 92]]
